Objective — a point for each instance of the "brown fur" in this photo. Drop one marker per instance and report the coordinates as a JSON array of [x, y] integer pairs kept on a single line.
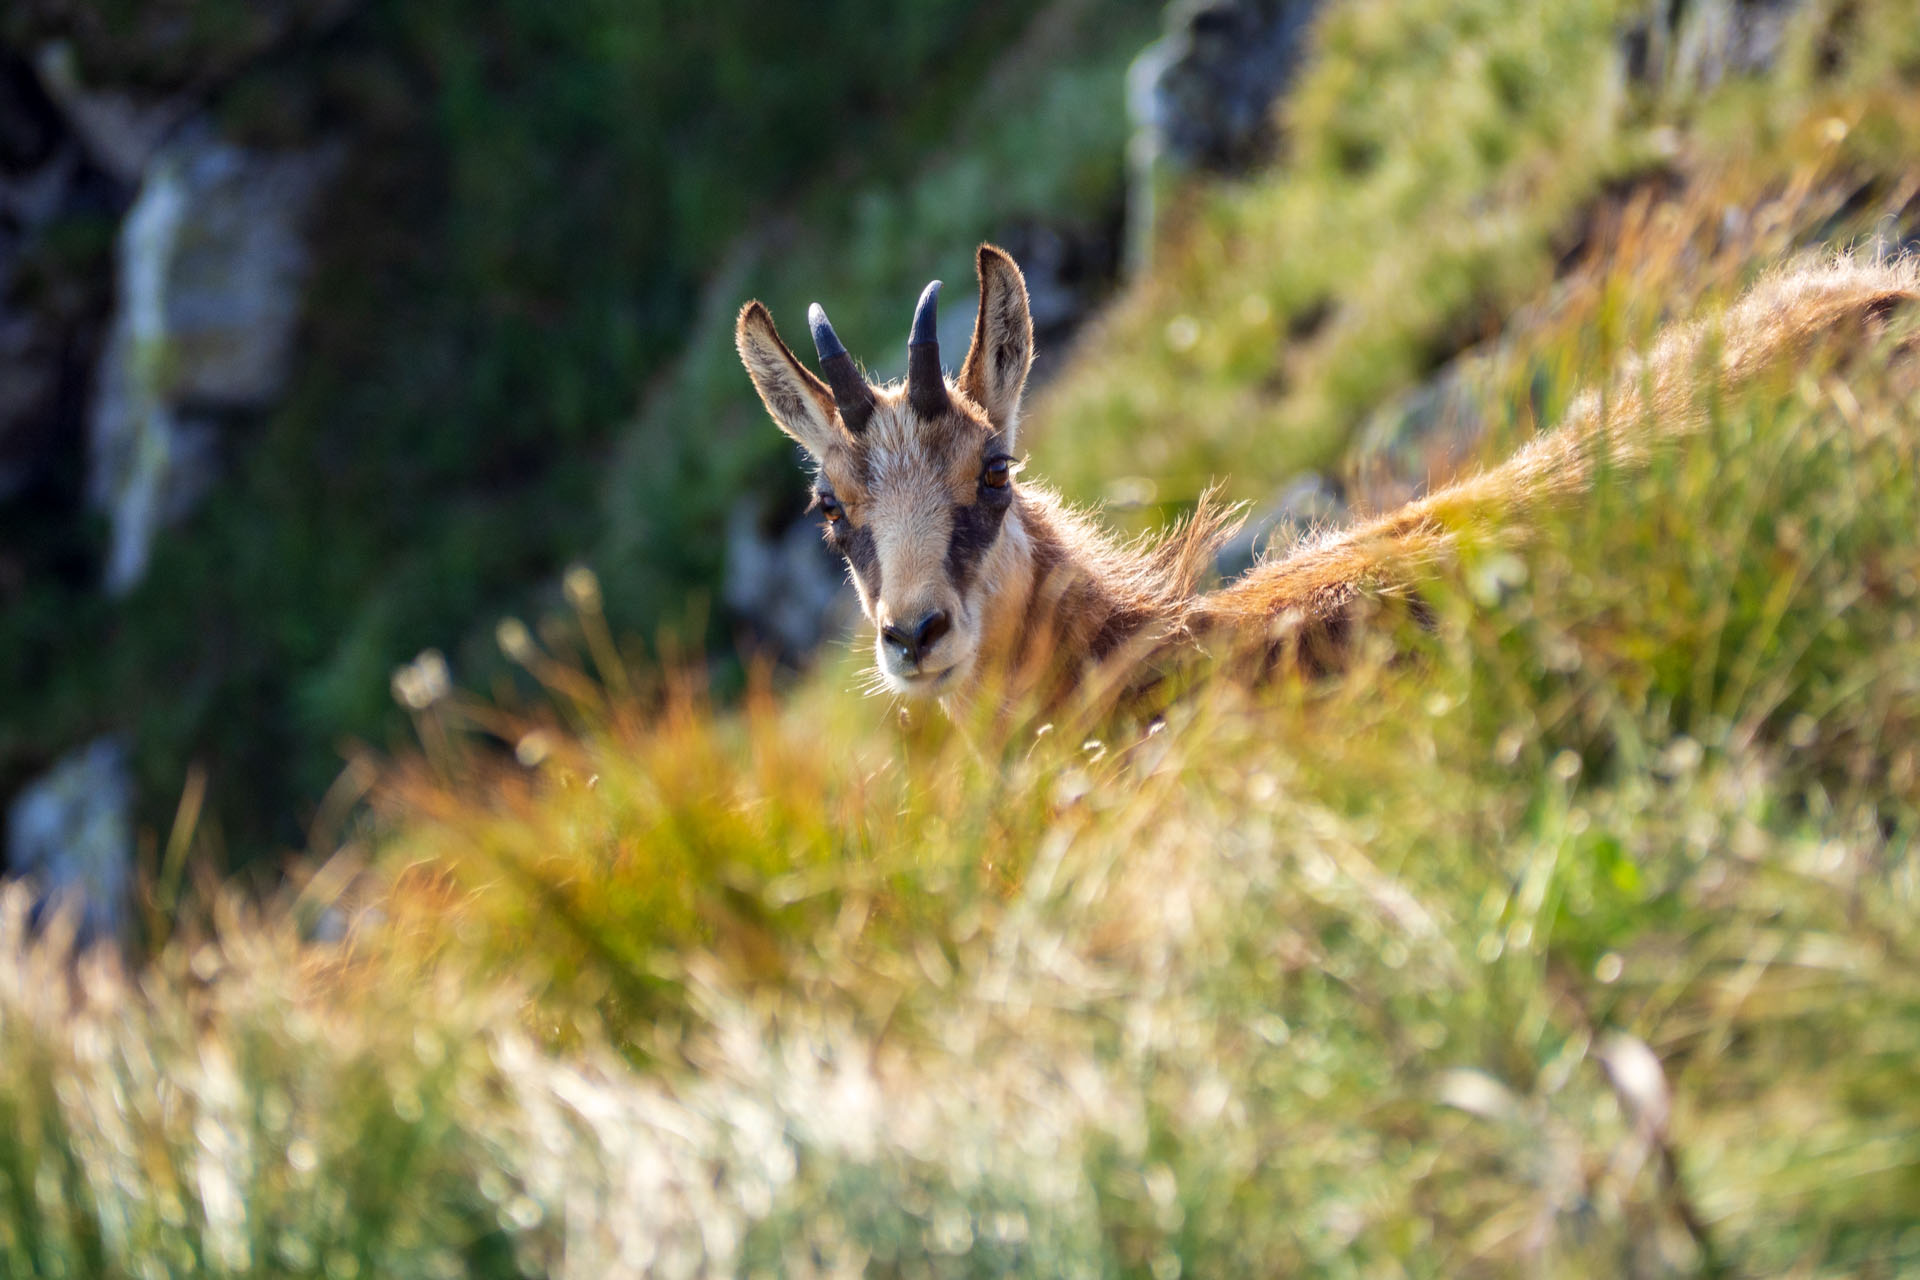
[[1056, 597], [1654, 398]]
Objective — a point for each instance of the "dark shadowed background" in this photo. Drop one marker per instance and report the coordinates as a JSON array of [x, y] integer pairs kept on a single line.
[[336, 330], [366, 376]]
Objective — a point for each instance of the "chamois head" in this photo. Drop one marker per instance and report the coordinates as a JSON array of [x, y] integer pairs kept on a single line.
[[913, 481]]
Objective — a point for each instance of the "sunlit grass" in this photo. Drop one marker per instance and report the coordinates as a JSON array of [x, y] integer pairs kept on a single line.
[[1445, 163], [1575, 935], [1578, 942]]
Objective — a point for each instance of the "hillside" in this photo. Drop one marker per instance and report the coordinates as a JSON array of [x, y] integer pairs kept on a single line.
[[1575, 935], [519, 222]]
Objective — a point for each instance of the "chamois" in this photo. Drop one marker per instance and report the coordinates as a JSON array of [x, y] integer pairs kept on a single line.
[[975, 579]]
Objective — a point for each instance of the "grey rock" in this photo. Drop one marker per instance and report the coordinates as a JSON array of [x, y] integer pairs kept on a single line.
[[1070, 269], [1202, 96], [212, 259], [121, 132], [1307, 503], [70, 833], [1214, 77], [231, 274], [1697, 44], [788, 587], [1429, 433]]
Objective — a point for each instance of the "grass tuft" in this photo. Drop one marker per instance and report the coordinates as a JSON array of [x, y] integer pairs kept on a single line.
[[1572, 936]]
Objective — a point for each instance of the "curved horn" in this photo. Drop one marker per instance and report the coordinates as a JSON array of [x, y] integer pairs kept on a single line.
[[926, 386], [851, 394]]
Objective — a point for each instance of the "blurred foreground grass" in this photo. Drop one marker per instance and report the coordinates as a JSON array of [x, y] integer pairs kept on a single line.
[[1584, 942]]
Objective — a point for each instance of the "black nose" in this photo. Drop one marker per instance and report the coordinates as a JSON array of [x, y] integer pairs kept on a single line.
[[926, 633]]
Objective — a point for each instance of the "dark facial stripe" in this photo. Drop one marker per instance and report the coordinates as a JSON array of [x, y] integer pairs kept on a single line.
[[865, 559], [975, 526]]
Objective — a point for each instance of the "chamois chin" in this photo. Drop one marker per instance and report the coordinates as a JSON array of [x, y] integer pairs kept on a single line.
[[976, 579]]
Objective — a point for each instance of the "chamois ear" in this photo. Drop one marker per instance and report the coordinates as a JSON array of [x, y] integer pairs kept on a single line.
[[996, 367], [800, 404]]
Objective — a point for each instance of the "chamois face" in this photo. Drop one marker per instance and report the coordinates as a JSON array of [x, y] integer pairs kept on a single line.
[[915, 507], [913, 483]]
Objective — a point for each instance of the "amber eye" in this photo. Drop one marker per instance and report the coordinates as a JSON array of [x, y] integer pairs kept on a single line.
[[999, 473], [830, 507]]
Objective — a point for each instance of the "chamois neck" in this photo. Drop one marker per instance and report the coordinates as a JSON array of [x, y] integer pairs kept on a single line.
[[1007, 582], [1062, 595]]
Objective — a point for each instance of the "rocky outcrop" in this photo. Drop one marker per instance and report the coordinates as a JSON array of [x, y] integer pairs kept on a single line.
[[1201, 97], [205, 290], [121, 131], [211, 261], [53, 302], [1204, 93], [121, 353], [70, 834], [784, 584], [1310, 502], [1699, 43]]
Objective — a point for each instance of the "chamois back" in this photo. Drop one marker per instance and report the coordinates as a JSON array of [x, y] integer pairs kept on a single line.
[[974, 578], [1303, 600]]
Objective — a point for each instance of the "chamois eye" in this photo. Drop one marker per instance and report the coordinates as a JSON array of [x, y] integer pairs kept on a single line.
[[830, 507], [998, 473]]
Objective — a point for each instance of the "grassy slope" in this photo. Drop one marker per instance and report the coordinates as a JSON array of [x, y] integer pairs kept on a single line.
[[462, 427], [1582, 945]]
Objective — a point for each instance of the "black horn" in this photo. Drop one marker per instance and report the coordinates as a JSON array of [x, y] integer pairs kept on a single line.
[[926, 386], [850, 390]]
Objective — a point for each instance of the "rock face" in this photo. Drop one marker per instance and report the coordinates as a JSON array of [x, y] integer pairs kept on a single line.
[[787, 586], [70, 833], [51, 312], [1309, 503], [205, 296], [114, 370], [211, 262], [1070, 270], [1206, 90], [1702, 43], [1202, 96], [1432, 430], [121, 132]]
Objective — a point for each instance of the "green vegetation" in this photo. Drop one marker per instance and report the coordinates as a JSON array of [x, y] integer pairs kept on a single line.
[[1042, 143], [1444, 162], [1584, 943], [515, 254]]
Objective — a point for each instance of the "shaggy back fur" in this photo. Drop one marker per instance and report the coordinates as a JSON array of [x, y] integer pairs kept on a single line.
[[1306, 598], [1035, 595]]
